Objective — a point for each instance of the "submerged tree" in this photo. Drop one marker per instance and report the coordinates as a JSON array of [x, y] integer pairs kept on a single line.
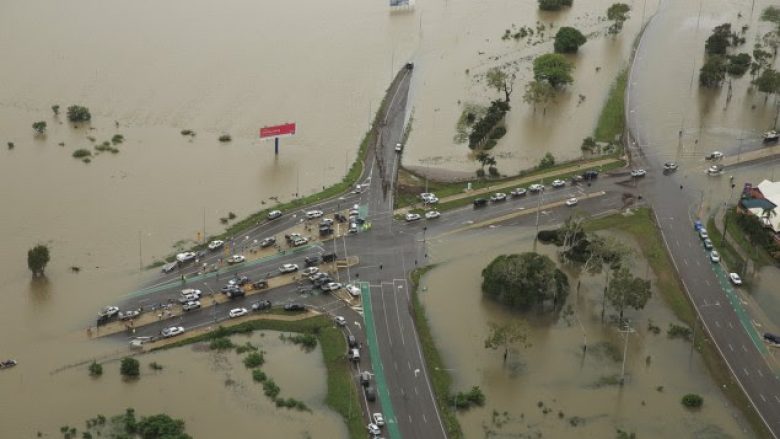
[[521, 281], [37, 258], [617, 14], [500, 80], [39, 127], [553, 68], [627, 291], [78, 113], [538, 92], [506, 335], [568, 40]]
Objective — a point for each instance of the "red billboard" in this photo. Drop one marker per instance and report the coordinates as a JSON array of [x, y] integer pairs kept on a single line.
[[287, 129]]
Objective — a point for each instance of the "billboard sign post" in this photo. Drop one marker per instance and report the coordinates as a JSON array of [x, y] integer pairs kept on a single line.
[[276, 131]]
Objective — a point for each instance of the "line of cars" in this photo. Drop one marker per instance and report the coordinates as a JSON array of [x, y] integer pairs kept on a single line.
[[536, 188], [713, 254]]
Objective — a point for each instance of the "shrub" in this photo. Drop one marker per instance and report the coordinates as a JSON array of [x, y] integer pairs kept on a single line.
[[221, 344], [692, 401], [246, 347], [81, 153], [270, 389], [254, 359], [493, 171], [548, 161], [568, 40], [553, 5], [225, 138], [187, 133], [117, 139], [550, 236], [95, 369], [39, 127], [78, 113], [480, 173], [677, 331], [11, 145], [155, 366], [258, 375], [307, 341], [129, 367], [55, 109]]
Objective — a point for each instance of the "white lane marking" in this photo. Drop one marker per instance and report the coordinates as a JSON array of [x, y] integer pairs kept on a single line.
[[762, 397], [744, 348], [410, 419], [409, 364], [730, 325], [731, 347], [384, 310], [707, 282], [746, 372], [776, 398], [424, 418], [398, 316], [395, 365], [759, 373], [415, 391], [685, 261], [717, 324], [677, 242]]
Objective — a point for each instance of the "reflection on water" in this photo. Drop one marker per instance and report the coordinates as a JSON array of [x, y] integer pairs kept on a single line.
[[553, 389]]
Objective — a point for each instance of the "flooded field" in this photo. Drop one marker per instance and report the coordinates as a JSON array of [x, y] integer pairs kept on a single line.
[[212, 392], [552, 389]]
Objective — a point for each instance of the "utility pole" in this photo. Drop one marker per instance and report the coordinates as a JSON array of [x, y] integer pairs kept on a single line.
[[538, 209], [204, 224], [140, 254], [627, 332]]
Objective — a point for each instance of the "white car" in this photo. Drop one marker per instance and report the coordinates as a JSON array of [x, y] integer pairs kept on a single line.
[[735, 278], [186, 256], [703, 233], [274, 214], [341, 321], [353, 290], [670, 166], [714, 256], [431, 200], [536, 187], [236, 259], [412, 217], [374, 429], [310, 270], [188, 298], [638, 173], [498, 196], [314, 214], [558, 183], [715, 155], [299, 241], [379, 419], [189, 306], [108, 311], [572, 202], [432, 214], [192, 291], [237, 312], [213, 245], [172, 331], [425, 195], [331, 286], [288, 268], [129, 315], [399, 147], [518, 192]]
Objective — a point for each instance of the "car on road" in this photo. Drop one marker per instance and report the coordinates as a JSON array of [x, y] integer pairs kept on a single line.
[[326, 222], [169, 267], [314, 214], [236, 259], [188, 298], [260, 285], [288, 268], [331, 286], [261, 305], [213, 245], [267, 242], [308, 271], [558, 183], [432, 214], [412, 217], [638, 173], [572, 202], [735, 279], [714, 256], [590, 175], [108, 311], [354, 354], [352, 341], [374, 429], [498, 197], [317, 275], [353, 228], [480, 202], [235, 293], [172, 331], [237, 312], [670, 166], [129, 315], [228, 288], [703, 233], [312, 261], [772, 339], [399, 147], [771, 136], [189, 306], [379, 419], [370, 393], [536, 187], [341, 321], [186, 256], [294, 307], [714, 155], [353, 290], [274, 214], [708, 244], [365, 378], [239, 280], [518, 192]]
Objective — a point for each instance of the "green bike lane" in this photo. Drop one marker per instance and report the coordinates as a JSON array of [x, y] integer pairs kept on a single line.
[[376, 363], [739, 309]]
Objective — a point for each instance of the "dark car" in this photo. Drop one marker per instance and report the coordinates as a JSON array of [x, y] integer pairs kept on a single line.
[[772, 338], [352, 341], [294, 307], [329, 257], [340, 218], [480, 202], [370, 393], [227, 289], [267, 242], [261, 305], [326, 230], [590, 175], [312, 261], [260, 285], [320, 281], [240, 280], [238, 292]]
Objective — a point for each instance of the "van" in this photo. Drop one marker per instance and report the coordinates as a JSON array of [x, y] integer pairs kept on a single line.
[[480, 202], [354, 355]]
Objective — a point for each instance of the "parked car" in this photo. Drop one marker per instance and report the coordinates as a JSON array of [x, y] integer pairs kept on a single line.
[[213, 245], [239, 281], [299, 241], [518, 192], [399, 147], [432, 214], [294, 307], [572, 202], [714, 155], [186, 256], [353, 228], [497, 197], [129, 315], [185, 298], [235, 293], [735, 279], [558, 183], [431, 200], [353, 290], [638, 173], [169, 267], [172, 331], [261, 305], [189, 306], [670, 166], [309, 271], [772, 339], [365, 378], [379, 419], [326, 222], [771, 136], [236, 259], [108, 311], [370, 393], [312, 261], [331, 286], [237, 312], [313, 214], [341, 321], [715, 170], [708, 244], [329, 257], [590, 175], [230, 288], [714, 256], [480, 202], [374, 429], [274, 214], [352, 341], [703, 233], [288, 268], [267, 242], [536, 187], [260, 285], [412, 217], [354, 354]]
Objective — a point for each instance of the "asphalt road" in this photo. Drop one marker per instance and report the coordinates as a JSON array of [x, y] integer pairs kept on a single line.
[[718, 307]]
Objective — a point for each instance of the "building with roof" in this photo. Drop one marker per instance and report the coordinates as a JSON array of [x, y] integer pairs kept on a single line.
[[762, 201]]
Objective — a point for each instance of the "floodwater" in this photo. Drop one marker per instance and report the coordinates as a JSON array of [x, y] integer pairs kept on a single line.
[[452, 70], [210, 391], [573, 388]]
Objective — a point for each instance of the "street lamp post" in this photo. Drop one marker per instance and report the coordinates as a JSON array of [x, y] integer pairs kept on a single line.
[[627, 331]]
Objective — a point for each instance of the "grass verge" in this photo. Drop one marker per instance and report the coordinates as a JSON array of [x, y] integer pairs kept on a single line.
[[612, 120], [641, 225], [342, 393], [437, 370], [756, 253]]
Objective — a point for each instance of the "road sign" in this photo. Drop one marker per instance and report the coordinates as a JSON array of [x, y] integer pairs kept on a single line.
[[286, 129]]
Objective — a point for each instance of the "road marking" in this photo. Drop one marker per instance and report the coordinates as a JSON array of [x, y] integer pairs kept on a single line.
[[730, 325], [731, 347], [395, 365], [685, 261], [698, 263], [402, 392], [384, 310], [746, 372], [776, 398], [759, 373], [744, 348], [762, 397], [409, 364], [717, 324], [677, 242], [410, 419], [415, 391], [707, 282], [398, 316], [424, 418]]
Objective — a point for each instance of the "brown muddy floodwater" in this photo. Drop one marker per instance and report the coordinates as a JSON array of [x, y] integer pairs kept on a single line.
[[573, 389]]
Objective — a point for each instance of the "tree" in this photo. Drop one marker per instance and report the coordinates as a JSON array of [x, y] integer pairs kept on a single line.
[[501, 81], [523, 280], [78, 113], [553, 5], [768, 82], [692, 400], [713, 72], [548, 161], [761, 58], [605, 254], [771, 14], [95, 369], [538, 92], [506, 335], [130, 367], [568, 40], [738, 64], [161, 427], [55, 109], [719, 41], [617, 14], [485, 159], [625, 290], [39, 127], [553, 68], [37, 258]]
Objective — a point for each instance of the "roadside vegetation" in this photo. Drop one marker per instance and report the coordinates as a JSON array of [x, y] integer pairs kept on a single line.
[[37, 259], [612, 121], [127, 426]]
